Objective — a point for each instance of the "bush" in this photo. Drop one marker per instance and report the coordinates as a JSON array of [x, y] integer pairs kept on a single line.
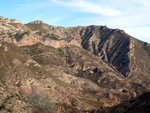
[[5, 111], [41, 102]]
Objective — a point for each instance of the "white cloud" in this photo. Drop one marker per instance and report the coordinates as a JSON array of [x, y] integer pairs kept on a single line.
[[53, 20], [88, 7], [142, 33]]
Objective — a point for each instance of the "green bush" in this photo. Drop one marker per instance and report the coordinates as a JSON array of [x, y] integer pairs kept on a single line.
[[41, 102], [5, 111]]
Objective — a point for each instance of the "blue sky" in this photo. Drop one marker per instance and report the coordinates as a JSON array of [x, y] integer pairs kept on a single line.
[[133, 16]]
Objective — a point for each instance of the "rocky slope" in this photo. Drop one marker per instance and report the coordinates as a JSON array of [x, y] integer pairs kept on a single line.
[[80, 68], [136, 105]]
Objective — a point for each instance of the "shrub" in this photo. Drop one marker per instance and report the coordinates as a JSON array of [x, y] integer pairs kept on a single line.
[[5, 111], [41, 102]]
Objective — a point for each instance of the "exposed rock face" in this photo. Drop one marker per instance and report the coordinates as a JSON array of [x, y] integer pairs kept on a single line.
[[6, 20], [60, 44], [37, 22], [86, 67], [56, 44], [26, 39]]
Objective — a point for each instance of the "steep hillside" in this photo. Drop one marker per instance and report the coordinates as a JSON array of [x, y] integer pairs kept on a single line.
[[59, 74], [136, 105], [80, 68], [112, 45]]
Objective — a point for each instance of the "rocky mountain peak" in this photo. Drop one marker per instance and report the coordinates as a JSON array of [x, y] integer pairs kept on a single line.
[[7, 20], [37, 22]]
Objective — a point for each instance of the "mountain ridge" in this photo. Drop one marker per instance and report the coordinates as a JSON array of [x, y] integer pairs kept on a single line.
[[86, 67]]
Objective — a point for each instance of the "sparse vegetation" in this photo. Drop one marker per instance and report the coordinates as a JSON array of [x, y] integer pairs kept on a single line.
[[95, 52], [41, 102], [5, 111], [93, 103]]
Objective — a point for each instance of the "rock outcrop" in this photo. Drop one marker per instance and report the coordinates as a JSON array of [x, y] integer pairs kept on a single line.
[[37, 22], [26, 39], [6, 20]]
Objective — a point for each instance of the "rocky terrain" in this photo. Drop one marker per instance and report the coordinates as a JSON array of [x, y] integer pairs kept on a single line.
[[81, 68], [136, 105]]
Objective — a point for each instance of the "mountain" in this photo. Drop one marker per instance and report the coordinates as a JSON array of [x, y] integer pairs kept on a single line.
[[81, 68]]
